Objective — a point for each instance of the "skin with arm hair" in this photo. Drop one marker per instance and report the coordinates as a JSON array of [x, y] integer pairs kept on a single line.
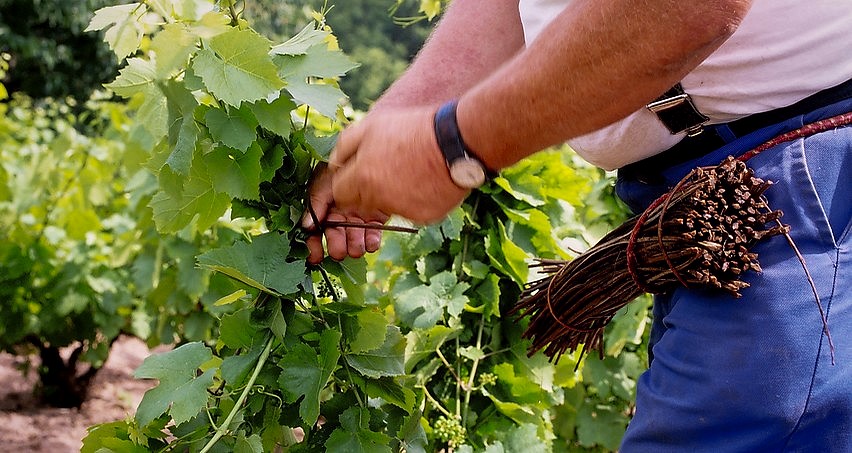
[[596, 63], [471, 41]]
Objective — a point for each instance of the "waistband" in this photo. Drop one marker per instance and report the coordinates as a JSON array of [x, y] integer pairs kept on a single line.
[[716, 136]]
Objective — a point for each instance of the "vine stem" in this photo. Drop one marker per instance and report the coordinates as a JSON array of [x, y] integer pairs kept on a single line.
[[235, 18], [469, 389], [224, 427]]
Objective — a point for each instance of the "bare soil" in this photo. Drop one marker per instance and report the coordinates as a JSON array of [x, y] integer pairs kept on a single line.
[[28, 426]]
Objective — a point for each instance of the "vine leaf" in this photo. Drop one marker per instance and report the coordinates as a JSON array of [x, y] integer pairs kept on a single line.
[[392, 392], [422, 343], [301, 42], [235, 128], [274, 116], [123, 30], [384, 361], [324, 98], [180, 200], [422, 306], [237, 173], [260, 264], [304, 373], [183, 130], [172, 48], [317, 61], [236, 67], [138, 76], [181, 392], [355, 436], [365, 331]]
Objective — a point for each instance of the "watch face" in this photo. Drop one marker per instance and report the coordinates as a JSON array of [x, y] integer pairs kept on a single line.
[[467, 173]]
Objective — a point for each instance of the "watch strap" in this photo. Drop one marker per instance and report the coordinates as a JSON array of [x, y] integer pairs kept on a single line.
[[450, 139]]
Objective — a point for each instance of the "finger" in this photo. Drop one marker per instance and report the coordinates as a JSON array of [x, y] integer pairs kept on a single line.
[[316, 252], [355, 239], [346, 188], [347, 144], [372, 238], [320, 198], [335, 238]]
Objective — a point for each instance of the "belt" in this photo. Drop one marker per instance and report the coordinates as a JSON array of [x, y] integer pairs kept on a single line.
[[709, 139]]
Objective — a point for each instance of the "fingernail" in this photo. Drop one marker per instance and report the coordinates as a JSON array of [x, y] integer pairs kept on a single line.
[[372, 244], [308, 223]]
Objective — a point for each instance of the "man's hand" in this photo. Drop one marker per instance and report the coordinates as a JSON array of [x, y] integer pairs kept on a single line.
[[390, 162], [341, 241]]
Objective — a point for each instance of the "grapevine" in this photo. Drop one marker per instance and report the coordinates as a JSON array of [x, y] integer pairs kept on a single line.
[[329, 357]]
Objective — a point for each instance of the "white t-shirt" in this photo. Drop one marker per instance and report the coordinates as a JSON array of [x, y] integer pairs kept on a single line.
[[784, 51]]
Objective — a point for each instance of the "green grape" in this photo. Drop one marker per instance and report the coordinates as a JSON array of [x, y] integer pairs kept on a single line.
[[450, 431], [487, 379]]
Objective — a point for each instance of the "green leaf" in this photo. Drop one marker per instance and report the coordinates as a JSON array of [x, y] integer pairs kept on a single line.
[[365, 331], [352, 274], [519, 413], [600, 426], [237, 68], [235, 128], [230, 298], [505, 255], [392, 392], [260, 264], [237, 173], [384, 361], [488, 293], [422, 343], [324, 98], [235, 368], [181, 201], [317, 61], [236, 330], [355, 436], [525, 438], [419, 307], [183, 130], [138, 76], [301, 42], [422, 306], [251, 444], [181, 392], [411, 434], [114, 436], [271, 161], [172, 48], [274, 116], [123, 29], [304, 373]]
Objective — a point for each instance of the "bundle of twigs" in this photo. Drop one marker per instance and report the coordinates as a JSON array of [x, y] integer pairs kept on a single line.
[[697, 235]]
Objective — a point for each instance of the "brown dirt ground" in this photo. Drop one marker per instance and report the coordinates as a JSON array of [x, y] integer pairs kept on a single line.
[[27, 426]]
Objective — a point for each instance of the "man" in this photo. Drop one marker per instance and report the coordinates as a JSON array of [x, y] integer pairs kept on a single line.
[[653, 88]]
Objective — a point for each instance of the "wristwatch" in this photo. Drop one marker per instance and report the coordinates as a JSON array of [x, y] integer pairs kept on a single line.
[[466, 170]]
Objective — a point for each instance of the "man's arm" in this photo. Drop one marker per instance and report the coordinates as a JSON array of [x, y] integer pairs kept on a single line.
[[598, 61], [470, 42]]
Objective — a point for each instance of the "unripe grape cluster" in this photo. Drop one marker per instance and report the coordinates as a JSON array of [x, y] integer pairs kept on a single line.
[[450, 431]]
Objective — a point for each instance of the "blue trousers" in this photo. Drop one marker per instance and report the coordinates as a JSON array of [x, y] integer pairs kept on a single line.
[[755, 374]]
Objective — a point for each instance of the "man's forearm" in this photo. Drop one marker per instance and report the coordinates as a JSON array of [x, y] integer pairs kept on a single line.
[[470, 42], [596, 63]]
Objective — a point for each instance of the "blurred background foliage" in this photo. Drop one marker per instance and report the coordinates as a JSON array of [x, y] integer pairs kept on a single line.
[[51, 56]]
